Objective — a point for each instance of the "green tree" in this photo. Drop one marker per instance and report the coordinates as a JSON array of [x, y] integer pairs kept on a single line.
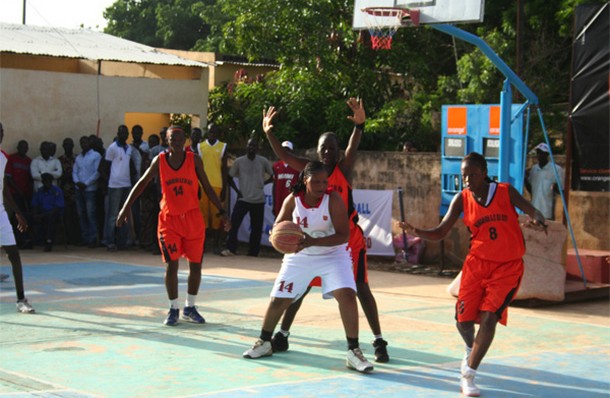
[[323, 62]]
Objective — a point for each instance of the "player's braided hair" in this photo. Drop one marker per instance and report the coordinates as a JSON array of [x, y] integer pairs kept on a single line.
[[310, 169]]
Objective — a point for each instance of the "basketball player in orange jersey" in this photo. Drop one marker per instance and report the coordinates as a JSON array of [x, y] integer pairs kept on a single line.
[[181, 230], [493, 268], [340, 174]]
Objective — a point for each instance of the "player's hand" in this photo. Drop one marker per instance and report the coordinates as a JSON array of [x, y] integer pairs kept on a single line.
[[405, 226], [305, 242], [226, 223], [22, 224], [357, 108], [268, 116], [537, 224]]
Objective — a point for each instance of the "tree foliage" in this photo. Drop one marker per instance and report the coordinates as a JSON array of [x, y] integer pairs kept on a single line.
[[323, 62]]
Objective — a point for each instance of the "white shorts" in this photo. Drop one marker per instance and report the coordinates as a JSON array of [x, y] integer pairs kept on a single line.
[[335, 270], [7, 237]]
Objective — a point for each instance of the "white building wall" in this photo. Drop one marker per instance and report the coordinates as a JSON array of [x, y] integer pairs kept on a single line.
[[39, 105]]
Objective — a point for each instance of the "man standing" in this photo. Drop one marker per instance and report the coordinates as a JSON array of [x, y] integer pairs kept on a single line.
[[118, 160], [284, 178], [541, 182], [250, 170], [85, 175], [67, 186], [7, 238], [213, 153]]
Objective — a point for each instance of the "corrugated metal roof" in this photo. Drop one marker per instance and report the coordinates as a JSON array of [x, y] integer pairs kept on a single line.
[[82, 43]]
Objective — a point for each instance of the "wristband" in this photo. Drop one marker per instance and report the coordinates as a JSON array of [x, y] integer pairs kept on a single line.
[[360, 126]]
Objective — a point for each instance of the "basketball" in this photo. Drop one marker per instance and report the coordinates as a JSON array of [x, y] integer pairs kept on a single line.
[[286, 236]]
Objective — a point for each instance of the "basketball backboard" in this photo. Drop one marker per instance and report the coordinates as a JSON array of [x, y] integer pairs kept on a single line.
[[430, 11]]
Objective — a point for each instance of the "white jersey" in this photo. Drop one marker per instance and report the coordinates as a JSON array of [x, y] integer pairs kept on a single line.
[[317, 223], [332, 264]]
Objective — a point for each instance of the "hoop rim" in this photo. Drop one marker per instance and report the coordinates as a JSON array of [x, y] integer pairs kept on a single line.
[[409, 14], [380, 11]]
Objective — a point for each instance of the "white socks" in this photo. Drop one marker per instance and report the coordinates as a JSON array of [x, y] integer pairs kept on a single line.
[[190, 300]]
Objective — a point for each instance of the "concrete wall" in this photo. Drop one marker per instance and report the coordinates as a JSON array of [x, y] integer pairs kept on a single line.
[[40, 105], [419, 176]]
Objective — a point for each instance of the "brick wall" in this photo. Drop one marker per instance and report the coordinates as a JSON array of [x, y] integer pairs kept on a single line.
[[419, 175]]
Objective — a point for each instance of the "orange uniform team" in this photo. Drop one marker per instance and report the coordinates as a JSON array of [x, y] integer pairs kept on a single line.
[[493, 268], [181, 230]]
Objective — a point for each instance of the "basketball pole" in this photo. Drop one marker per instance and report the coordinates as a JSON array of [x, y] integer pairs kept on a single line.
[[402, 218]]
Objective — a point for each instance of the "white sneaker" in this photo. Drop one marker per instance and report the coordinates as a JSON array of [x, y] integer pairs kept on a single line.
[[355, 360], [25, 307], [227, 253], [464, 365], [469, 389], [259, 349]]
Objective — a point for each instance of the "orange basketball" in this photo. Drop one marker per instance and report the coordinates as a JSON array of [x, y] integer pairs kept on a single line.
[[286, 236]]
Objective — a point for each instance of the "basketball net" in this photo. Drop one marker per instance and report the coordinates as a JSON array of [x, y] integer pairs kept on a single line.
[[383, 22]]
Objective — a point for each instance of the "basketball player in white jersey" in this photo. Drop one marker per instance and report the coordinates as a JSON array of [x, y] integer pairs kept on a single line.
[[322, 216]]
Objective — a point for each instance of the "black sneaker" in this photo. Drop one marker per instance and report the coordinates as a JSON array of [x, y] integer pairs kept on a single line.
[[279, 342], [381, 352]]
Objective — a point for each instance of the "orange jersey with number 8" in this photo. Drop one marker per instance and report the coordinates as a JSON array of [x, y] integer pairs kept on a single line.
[[495, 234], [179, 186]]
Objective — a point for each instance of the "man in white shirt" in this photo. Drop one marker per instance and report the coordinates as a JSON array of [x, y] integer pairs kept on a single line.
[[118, 159], [45, 163], [542, 182]]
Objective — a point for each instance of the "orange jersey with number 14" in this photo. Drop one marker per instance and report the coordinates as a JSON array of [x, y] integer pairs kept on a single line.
[[179, 186], [495, 234]]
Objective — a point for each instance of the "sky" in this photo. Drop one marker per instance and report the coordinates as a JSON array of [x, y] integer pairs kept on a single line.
[[56, 13]]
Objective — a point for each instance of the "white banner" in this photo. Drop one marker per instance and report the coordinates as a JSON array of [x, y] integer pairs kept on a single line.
[[375, 218], [374, 212]]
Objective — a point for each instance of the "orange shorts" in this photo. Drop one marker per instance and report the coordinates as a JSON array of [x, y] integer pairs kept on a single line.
[[181, 235], [357, 245], [210, 211], [487, 286]]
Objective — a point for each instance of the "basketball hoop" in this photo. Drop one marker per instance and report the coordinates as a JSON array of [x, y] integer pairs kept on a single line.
[[383, 22]]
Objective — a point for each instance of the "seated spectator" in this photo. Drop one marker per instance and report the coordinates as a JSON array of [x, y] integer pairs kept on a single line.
[[47, 207]]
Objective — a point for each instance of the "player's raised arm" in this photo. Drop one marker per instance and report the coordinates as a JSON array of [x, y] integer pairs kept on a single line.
[[293, 161], [358, 118]]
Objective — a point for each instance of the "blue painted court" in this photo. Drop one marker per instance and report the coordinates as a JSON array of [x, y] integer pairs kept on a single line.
[[98, 333]]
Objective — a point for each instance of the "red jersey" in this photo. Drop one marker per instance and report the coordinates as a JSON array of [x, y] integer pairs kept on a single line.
[[179, 187], [337, 182], [284, 178], [495, 234], [18, 167]]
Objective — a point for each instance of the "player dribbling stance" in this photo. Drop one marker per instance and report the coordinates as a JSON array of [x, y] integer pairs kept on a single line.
[[323, 252], [493, 268]]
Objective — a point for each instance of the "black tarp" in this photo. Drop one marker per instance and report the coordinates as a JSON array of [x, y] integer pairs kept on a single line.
[[590, 102]]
